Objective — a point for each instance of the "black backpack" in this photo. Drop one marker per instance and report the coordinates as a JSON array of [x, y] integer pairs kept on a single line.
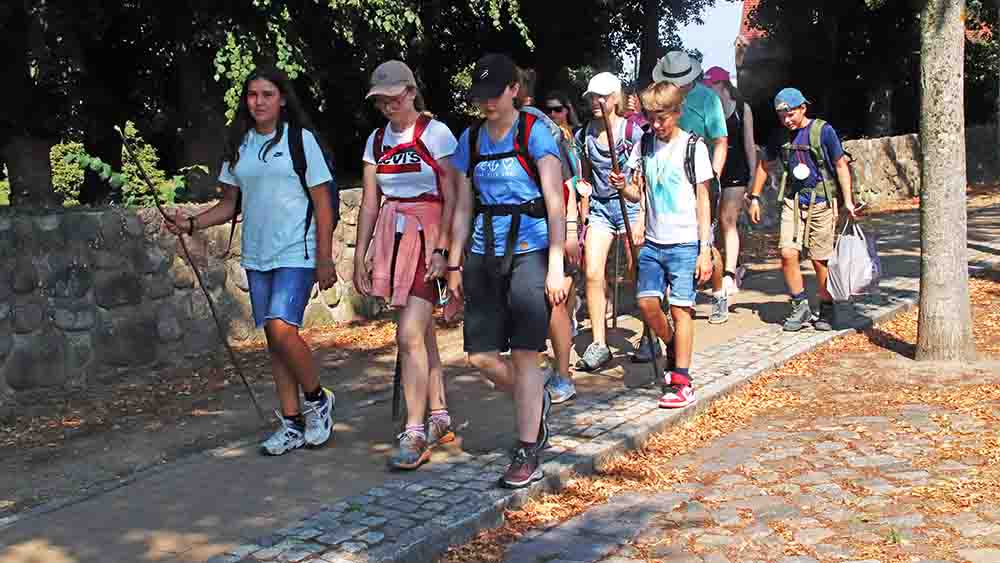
[[298, 154], [648, 145]]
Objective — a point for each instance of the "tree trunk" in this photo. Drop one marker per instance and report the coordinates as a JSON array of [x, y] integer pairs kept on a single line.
[[650, 50], [944, 330], [30, 172]]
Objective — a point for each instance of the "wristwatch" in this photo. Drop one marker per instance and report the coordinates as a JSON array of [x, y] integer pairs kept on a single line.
[[753, 197]]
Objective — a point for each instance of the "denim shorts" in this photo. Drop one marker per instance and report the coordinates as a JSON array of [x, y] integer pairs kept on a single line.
[[607, 215], [281, 293], [661, 265]]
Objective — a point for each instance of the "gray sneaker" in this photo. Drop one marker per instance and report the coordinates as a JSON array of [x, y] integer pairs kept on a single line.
[[824, 320], [800, 315], [319, 419], [411, 453], [560, 388], [594, 357], [284, 440], [720, 311]]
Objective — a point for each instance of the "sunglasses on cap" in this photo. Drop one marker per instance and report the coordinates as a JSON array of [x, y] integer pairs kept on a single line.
[[554, 109]]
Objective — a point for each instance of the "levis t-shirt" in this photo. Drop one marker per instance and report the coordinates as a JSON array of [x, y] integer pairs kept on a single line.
[[405, 174], [274, 203]]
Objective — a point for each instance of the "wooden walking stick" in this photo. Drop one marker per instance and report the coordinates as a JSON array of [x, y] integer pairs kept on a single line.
[[647, 336], [197, 275]]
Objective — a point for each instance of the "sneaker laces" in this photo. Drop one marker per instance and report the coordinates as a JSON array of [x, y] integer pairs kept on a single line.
[[521, 456]]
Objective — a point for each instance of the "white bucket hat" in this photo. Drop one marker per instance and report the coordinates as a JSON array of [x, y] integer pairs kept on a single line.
[[678, 68]]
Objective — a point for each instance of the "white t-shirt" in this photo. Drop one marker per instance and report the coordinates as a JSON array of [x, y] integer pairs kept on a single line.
[[405, 174], [671, 216], [274, 203]]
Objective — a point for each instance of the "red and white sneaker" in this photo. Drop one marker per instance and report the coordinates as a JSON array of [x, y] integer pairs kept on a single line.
[[679, 392]]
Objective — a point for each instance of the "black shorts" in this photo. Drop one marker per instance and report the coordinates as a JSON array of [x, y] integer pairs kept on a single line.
[[506, 312]]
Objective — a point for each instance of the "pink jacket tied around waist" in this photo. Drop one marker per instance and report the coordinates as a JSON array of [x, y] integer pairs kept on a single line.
[[424, 215]]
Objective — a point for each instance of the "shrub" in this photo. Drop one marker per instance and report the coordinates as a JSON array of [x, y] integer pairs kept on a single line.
[[67, 174]]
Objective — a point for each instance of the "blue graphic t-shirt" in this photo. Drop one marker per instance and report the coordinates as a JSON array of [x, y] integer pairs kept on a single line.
[[600, 156], [832, 148], [506, 182], [671, 202]]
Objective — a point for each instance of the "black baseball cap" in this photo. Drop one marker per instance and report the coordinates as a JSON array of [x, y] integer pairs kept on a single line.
[[491, 75]]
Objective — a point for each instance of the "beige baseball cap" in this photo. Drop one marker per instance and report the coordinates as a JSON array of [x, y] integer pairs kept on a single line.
[[391, 78]]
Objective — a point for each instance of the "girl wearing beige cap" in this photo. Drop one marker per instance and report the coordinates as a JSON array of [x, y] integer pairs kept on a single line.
[[402, 247]]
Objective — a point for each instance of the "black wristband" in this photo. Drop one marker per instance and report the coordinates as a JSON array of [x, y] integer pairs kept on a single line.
[[454, 268], [753, 197]]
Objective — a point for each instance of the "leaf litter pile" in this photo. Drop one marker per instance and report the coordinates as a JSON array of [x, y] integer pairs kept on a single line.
[[776, 394]]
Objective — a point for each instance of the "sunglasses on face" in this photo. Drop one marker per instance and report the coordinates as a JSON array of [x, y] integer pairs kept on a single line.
[[555, 109]]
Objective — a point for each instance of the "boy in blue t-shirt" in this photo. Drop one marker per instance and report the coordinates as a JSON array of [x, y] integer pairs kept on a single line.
[[808, 220], [675, 233]]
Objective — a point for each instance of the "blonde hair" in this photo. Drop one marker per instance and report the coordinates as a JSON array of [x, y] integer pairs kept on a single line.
[[662, 96]]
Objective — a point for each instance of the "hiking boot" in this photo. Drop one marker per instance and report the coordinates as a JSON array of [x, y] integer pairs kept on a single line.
[[439, 432], [645, 353], [543, 424], [679, 392], [720, 310], [824, 321], [800, 315], [412, 451], [284, 440], [595, 357], [560, 388], [319, 419], [524, 469]]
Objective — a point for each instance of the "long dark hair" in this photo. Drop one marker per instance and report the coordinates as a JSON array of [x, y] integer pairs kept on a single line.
[[563, 98], [291, 113]]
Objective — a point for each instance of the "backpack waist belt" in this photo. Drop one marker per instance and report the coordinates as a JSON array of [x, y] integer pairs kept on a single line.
[[534, 208]]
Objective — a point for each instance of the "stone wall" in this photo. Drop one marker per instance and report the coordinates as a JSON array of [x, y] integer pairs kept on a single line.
[[86, 294]]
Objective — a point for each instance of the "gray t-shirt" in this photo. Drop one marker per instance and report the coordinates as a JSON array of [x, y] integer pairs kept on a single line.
[[600, 156]]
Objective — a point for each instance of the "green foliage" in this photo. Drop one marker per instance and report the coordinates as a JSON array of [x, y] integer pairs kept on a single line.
[[5, 189], [235, 60], [67, 173]]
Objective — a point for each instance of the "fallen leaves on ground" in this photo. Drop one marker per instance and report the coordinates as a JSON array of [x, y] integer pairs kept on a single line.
[[643, 470]]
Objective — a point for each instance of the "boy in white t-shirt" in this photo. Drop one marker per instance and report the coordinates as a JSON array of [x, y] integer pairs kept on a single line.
[[674, 234]]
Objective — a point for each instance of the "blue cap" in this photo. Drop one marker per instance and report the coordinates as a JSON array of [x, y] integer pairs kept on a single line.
[[789, 98]]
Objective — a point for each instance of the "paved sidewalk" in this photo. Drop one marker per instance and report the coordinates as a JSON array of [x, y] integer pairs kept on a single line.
[[868, 459], [340, 504]]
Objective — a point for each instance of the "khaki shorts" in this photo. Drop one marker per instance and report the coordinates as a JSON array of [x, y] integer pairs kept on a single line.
[[819, 240]]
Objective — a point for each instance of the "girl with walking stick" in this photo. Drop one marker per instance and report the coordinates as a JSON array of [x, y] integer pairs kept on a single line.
[[282, 264]]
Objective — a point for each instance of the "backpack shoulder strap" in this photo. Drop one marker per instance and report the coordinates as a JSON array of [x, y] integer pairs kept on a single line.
[[377, 149], [421, 125], [521, 141], [474, 156], [648, 143], [296, 147], [816, 140], [689, 156], [629, 130]]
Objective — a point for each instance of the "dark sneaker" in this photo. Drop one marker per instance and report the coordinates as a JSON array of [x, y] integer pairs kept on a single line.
[[524, 469], [720, 311], [824, 321], [645, 353], [543, 426], [800, 315], [439, 432], [595, 357], [411, 453]]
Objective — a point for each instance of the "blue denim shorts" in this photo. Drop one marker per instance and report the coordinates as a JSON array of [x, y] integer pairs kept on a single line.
[[281, 293], [661, 265], [607, 215]]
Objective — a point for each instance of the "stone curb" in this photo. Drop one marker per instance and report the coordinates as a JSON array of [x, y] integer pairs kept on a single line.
[[456, 500]]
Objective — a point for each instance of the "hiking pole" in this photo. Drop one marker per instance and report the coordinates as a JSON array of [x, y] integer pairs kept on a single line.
[[397, 382], [197, 275], [647, 335]]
